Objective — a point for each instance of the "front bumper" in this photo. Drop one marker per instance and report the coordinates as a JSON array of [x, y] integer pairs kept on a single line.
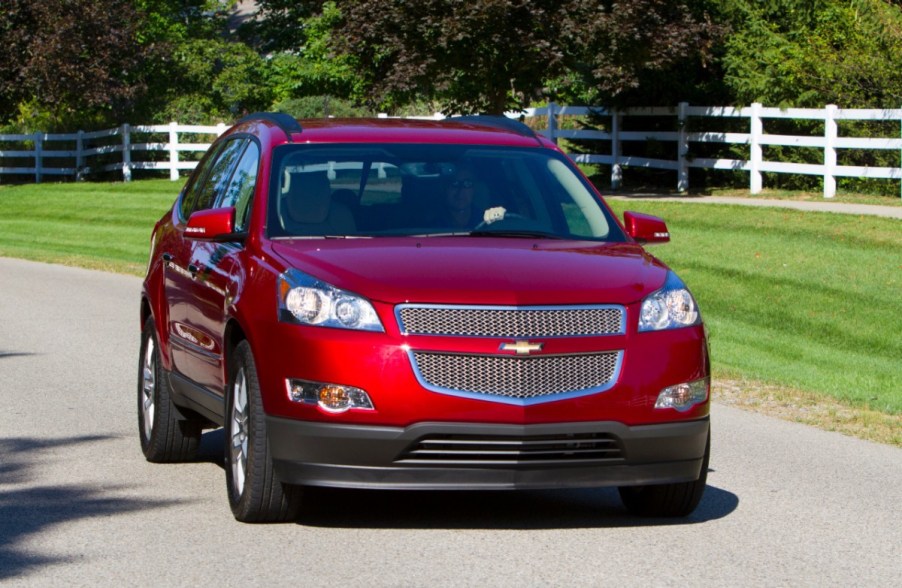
[[466, 456]]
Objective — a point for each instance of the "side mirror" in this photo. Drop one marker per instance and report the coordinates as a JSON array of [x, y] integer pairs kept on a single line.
[[645, 228], [215, 224]]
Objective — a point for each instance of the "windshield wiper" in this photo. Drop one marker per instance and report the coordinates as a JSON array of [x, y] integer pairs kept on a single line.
[[448, 234], [289, 237], [524, 234]]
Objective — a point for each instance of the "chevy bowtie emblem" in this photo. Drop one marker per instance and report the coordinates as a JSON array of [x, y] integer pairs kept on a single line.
[[522, 347]]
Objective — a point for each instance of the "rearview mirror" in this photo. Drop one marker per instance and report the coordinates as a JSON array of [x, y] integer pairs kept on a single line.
[[645, 228], [215, 224]]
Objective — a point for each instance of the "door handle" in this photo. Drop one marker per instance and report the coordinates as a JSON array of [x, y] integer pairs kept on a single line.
[[167, 257], [193, 269]]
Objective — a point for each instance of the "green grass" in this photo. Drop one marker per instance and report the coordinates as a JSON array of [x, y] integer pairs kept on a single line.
[[807, 301], [95, 225]]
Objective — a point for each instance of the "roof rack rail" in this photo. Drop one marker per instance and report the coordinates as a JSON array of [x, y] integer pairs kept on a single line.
[[498, 122], [286, 122]]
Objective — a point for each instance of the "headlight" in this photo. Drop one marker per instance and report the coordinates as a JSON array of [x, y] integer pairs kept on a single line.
[[671, 307], [305, 300]]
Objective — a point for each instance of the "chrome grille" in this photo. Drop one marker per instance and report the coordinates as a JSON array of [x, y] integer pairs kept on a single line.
[[516, 378], [526, 321], [476, 450]]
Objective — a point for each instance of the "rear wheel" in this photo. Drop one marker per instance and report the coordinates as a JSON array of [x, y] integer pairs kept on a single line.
[[166, 435], [667, 500], [256, 495]]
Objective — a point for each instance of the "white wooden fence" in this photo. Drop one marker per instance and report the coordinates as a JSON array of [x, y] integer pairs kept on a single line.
[[690, 125], [121, 149], [159, 147]]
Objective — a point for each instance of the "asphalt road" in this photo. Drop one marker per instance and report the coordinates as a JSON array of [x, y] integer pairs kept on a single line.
[[785, 504]]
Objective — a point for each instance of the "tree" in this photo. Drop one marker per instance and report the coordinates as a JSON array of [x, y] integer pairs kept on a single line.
[[70, 62], [281, 25], [314, 68], [648, 53], [495, 55], [174, 21], [810, 53], [202, 74], [307, 76], [214, 80]]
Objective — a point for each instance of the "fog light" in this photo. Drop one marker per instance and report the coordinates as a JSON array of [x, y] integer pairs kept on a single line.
[[334, 398], [329, 397], [684, 396]]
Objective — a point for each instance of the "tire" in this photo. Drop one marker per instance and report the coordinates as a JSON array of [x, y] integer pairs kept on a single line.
[[255, 493], [667, 500], [166, 435]]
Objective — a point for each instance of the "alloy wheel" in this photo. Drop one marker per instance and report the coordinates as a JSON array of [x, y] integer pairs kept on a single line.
[[238, 429], [148, 386]]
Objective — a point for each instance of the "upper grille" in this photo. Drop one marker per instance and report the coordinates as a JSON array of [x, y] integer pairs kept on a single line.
[[516, 378], [532, 450], [526, 321]]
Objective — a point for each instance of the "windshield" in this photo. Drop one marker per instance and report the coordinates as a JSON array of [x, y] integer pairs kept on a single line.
[[431, 190]]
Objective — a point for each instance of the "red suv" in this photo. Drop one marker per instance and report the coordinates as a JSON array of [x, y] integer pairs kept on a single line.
[[402, 304]]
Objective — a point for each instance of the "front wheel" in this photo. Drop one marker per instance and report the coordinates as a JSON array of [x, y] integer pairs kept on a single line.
[[166, 435], [667, 500], [256, 495]]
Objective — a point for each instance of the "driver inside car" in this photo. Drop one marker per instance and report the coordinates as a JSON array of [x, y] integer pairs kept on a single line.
[[458, 210]]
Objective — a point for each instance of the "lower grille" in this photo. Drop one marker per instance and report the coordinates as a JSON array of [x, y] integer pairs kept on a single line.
[[471, 450], [517, 379]]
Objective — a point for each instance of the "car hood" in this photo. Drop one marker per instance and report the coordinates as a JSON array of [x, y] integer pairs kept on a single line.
[[470, 270]]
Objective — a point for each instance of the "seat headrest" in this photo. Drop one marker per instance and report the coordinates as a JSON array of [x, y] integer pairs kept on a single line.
[[308, 197]]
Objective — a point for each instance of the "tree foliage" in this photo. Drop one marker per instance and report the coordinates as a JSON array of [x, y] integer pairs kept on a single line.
[[618, 46], [211, 80], [815, 52], [70, 61], [281, 25], [314, 68], [203, 75], [88, 63], [495, 55], [175, 21]]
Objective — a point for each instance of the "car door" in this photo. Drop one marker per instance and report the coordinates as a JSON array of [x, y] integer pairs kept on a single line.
[[200, 272], [220, 269]]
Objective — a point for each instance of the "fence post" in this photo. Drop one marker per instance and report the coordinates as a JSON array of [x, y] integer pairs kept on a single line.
[[682, 148], [757, 130], [616, 171], [38, 156], [173, 151], [126, 153], [830, 134], [79, 155], [552, 122]]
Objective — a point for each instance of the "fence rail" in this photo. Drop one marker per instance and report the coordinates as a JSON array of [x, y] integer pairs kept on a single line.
[[161, 147], [125, 148], [686, 137]]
